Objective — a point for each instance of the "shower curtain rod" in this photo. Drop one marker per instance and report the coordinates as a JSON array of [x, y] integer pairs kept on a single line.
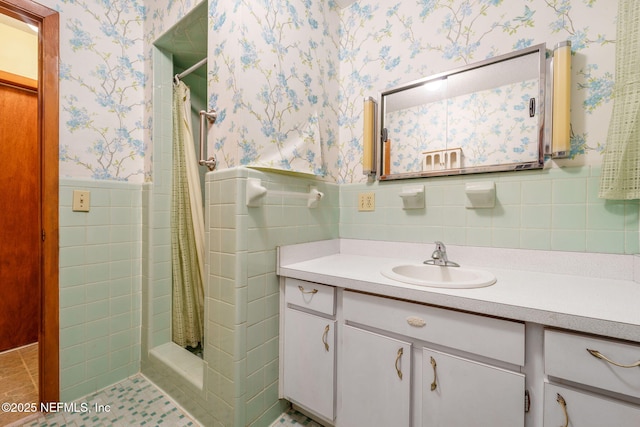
[[191, 69]]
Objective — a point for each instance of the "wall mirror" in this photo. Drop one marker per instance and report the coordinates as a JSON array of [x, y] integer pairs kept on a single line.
[[484, 117]]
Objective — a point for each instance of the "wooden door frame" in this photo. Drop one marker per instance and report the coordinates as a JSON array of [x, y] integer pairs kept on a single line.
[[48, 111]]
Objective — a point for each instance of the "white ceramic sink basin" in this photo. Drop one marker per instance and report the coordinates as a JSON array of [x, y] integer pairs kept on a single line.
[[439, 277]]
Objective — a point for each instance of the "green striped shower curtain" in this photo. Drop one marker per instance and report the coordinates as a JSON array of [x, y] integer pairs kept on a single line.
[[187, 228]]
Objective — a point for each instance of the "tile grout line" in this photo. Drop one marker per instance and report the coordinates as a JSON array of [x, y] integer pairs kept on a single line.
[[24, 370], [24, 363]]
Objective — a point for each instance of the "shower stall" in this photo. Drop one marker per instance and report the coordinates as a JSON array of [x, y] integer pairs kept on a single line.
[[236, 381], [173, 325]]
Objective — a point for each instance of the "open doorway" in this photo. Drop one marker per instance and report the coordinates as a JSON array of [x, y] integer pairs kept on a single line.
[[29, 218], [20, 219]]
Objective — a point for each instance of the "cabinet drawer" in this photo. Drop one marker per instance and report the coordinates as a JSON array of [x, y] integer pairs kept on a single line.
[[566, 356], [314, 296], [586, 410], [486, 336]]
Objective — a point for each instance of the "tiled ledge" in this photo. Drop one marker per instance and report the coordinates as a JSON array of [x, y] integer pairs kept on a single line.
[[182, 362]]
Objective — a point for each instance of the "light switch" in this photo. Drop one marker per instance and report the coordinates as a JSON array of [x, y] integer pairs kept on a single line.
[[81, 200]]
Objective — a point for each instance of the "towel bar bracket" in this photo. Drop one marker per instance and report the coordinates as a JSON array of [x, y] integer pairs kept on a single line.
[[211, 117]]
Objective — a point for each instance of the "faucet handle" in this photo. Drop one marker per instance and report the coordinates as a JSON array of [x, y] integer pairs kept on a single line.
[[439, 256]]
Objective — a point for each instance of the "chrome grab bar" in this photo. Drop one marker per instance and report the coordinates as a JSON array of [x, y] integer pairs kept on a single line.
[[211, 116]]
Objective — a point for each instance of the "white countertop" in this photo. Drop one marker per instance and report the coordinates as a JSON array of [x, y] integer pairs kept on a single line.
[[600, 305]]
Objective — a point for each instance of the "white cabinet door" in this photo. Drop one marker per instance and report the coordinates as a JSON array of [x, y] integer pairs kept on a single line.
[[309, 362], [375, 381], [462, 392], [564, 406]]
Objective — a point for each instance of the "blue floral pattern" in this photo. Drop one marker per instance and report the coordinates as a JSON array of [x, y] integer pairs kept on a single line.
[[283, 71], [430, 36], [493, 126], [272, 83], [415, 130], [102, 89], [490, 127]]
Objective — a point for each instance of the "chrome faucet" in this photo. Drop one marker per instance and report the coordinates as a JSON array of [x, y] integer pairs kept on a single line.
[[439, 257]]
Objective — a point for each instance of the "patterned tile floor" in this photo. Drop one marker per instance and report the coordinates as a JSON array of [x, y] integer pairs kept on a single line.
[[134, 401], [292, 418]]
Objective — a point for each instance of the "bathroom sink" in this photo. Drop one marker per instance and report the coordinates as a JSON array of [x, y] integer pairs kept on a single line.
[[439, 277]]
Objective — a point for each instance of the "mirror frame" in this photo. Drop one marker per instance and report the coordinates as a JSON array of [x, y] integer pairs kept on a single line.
[[542, 101]]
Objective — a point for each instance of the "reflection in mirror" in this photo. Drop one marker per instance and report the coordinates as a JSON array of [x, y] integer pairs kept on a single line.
[[483, 117], [415, 120]]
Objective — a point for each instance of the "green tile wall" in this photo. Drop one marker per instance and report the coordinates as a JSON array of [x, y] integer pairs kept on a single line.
[[100, 276], [243, 293], [156, 249], [103, 261], [554, 209]]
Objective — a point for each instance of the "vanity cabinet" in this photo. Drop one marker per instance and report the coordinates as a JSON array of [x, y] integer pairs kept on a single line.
[[462, 352], [469, 366], [604, 378], [352, 358], [375, 379], [309, 347]]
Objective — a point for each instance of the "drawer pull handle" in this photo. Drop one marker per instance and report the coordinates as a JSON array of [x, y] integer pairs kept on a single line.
[[598, 355], [324, 337], [416, 321], [434, 384], [314, 291], [563, 404], [398, 357]]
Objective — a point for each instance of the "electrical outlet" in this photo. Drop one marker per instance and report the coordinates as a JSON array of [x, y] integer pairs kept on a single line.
[[366, 202], [81, 200]]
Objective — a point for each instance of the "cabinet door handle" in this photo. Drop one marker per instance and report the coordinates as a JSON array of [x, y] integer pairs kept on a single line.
[[563, 405], [598, 355], [398, 357], [324, 338], [313, 291], [434, 384]]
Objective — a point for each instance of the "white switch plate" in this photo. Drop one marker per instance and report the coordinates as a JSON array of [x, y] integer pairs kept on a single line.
[[81, 200]]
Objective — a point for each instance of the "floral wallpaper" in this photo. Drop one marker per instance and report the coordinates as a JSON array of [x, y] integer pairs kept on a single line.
[[493, 126], [102, 82], [105, 84], [413, 131], [274, 82], [384, 44], [297, 70]]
